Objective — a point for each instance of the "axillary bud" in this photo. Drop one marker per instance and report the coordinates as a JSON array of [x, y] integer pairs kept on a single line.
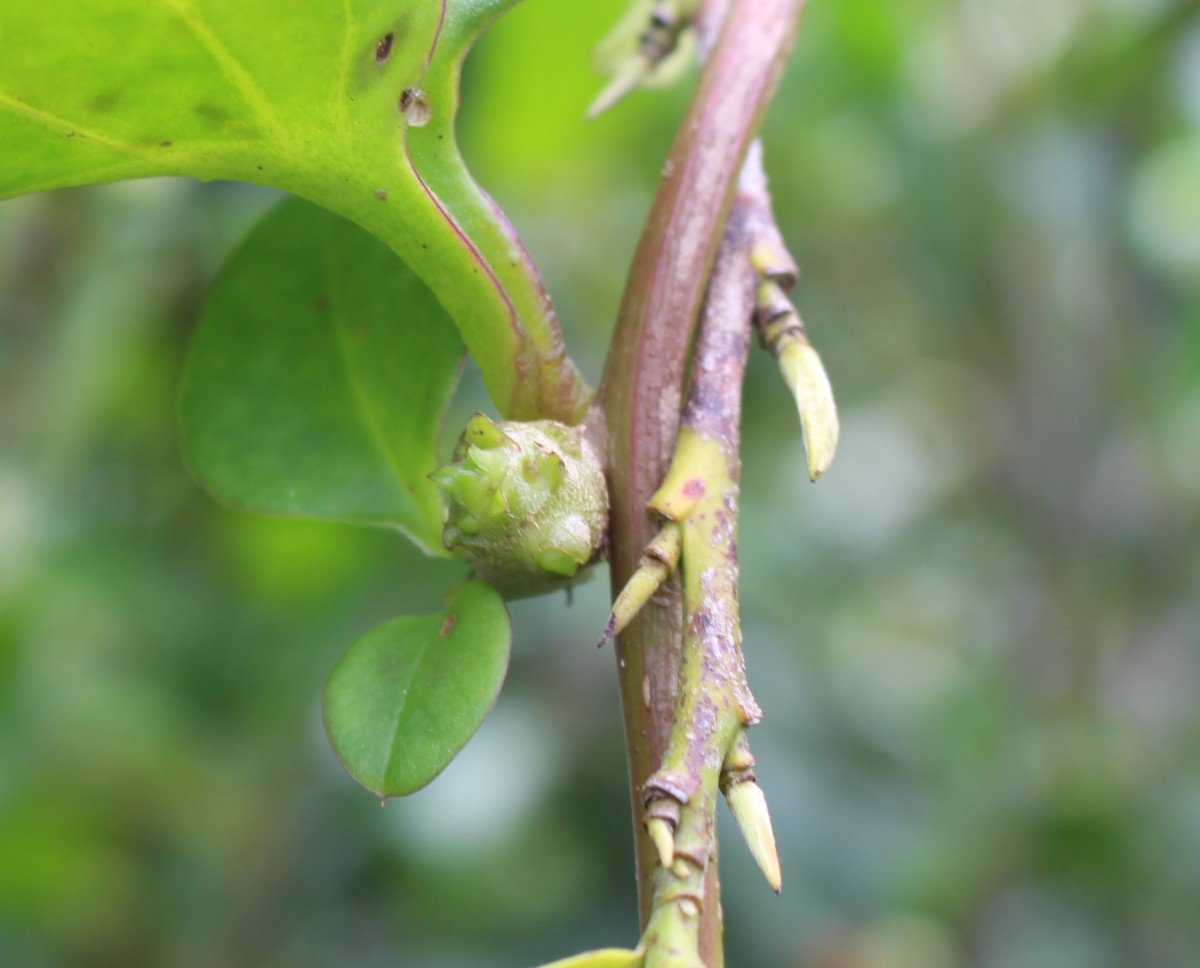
[[528, 503]]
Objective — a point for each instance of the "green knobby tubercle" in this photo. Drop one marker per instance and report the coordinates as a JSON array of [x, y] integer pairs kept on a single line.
[[528, 503]]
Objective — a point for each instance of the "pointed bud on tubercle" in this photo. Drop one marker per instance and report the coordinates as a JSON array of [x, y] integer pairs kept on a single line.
[[468, 525], [471, 488], [484, 433], [749, 808], [623, 83]]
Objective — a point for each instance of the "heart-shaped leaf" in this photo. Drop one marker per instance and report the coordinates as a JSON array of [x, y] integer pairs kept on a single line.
[[407, 696], [318, 377], [608, 958], [348, 103]]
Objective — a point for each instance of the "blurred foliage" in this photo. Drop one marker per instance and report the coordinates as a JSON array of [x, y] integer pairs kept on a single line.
[[977, 640]]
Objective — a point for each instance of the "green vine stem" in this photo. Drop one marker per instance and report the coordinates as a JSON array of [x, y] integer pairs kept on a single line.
[[713, 702], [643, 386]]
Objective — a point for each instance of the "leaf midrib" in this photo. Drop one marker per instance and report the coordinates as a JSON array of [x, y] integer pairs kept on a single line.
[[403, 705], [364, 407]]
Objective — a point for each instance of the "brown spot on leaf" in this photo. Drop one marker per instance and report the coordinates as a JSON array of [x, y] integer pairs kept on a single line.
[[381, 194], [448, 624], [322, 303]]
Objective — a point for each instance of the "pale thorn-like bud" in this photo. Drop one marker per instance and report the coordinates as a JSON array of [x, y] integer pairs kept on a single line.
[[806, 377], [648, 48], [748, 805], [657, 562], [627, 80], [663, 835]]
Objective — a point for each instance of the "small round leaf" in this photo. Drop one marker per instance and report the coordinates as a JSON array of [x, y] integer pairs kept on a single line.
[[407, 696]]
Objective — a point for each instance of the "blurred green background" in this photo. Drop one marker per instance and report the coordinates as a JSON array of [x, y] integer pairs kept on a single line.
[[977, 640]]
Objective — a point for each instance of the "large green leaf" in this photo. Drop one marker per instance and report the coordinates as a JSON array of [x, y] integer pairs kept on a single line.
[[348, 103], [407, 696], [318, 377]]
